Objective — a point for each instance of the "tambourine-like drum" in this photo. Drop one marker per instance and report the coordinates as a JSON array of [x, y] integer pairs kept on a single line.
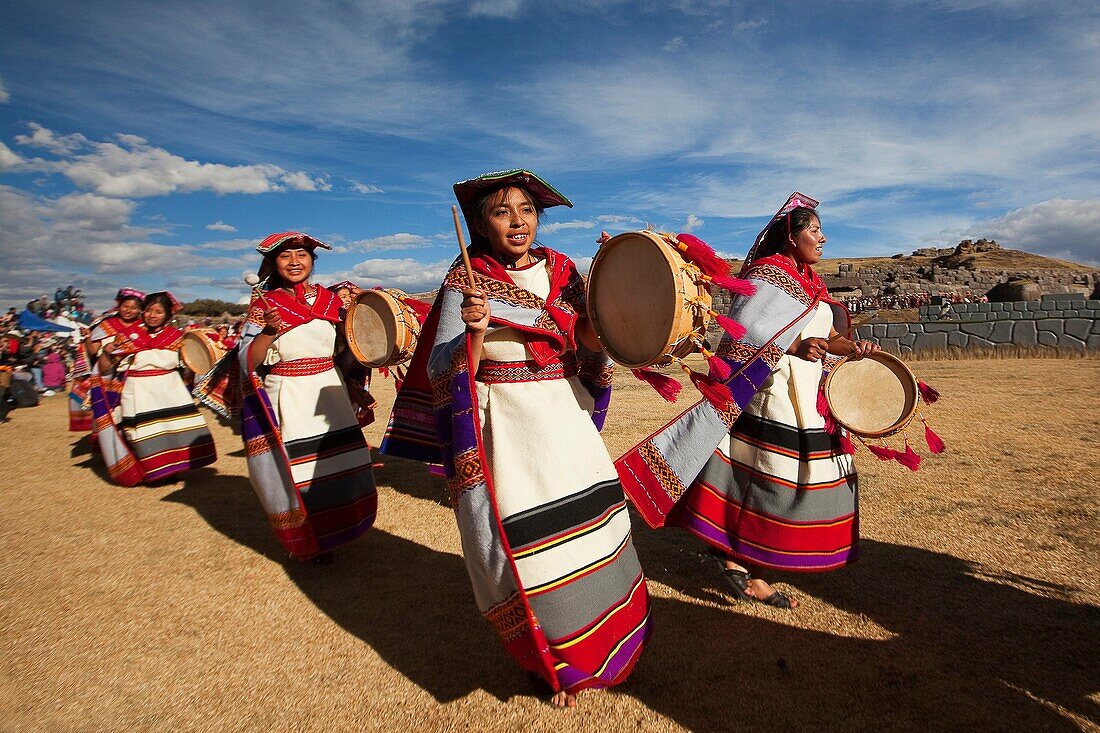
[[873, 397], [648, 305], [201, 350], [381, 328]]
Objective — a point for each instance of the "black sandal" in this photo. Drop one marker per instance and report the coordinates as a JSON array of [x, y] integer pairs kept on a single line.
[[737, 580], [776, 600]]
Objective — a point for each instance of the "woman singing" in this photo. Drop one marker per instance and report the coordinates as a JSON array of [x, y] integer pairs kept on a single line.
[[521, 390]]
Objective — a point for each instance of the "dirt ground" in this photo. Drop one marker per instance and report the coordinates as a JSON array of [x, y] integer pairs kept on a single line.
[[976, 602]]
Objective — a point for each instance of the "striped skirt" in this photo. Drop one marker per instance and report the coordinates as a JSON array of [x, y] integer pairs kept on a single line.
[[775, 495], [162, 427]]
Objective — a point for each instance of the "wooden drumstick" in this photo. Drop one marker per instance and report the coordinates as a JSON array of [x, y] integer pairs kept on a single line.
[[462, 249], [257, 287], [853, 327]]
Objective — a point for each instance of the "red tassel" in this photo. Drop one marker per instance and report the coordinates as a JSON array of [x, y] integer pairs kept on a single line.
[[719, 368], [700, 253], [734, 284], [730, 326], [935, 443], [847, 445], [383, 372], [928, 394], [909, 458], [823, 410], [883, 453], [665, 386], [715, 392]]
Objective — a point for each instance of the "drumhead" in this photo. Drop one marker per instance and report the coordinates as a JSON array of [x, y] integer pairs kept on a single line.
[[633, 298], [372, 327], [874, 396], [196, 353]]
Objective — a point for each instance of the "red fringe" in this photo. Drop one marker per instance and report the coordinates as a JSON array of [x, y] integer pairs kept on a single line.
[[909, 458], [927, 393], [935, 443], [883, 453], [703, 256], [719, 368], [383, 372], [730, 326], [734, 284], [847, 445], [665, 386], [823, 410], [715, 392]]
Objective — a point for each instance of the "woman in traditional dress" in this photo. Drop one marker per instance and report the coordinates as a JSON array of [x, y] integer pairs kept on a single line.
[[127, 313], [763, 482], [156, 432], [302, 410], [521, 390]]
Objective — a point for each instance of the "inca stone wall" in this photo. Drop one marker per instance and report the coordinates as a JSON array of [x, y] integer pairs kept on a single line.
[[1066, 321]]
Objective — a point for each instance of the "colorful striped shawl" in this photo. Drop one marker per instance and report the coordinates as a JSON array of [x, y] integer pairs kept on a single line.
[[657, 472]]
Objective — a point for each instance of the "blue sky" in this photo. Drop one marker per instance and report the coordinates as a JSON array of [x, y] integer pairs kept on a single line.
[[153, 144]]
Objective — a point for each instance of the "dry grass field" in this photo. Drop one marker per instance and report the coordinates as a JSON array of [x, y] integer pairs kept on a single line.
[[976, 603]]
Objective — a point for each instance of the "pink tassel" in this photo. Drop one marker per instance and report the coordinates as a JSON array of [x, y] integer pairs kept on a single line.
[[667, 387], [847, 445], [703, 256], [823, 410], [883, 453], [935, 443], [928, 394], [383, 372], [734, 284], [719, 368], [909, 458], [730, 326], [715, 392]]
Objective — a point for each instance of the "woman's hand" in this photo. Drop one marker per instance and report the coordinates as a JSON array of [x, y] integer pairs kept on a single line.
[[272, 320], [811, 348], [475, 311], [861, 349]]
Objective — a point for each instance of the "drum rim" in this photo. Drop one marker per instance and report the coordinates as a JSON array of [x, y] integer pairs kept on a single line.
[[665, 250], [902, 422], [403, 314], [390, 301], [208, 343]]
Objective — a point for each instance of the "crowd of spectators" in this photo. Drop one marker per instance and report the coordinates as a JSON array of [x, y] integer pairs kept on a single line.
[[859, 304], [67, 302]]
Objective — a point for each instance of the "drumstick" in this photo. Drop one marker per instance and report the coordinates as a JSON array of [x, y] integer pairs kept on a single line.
[[853, 327], [257, 287], [462, 248]]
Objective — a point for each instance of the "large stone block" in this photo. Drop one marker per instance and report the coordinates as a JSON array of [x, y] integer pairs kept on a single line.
[[1047, 305], [996, 307], [1002, 332], [1093, 341], [891, 345], [1024, 333], [916, 328], [940, 327], [1071, 342], [908, 339], [984, 307], [1095, 327], [958, 338], [1054, 325], [896, 330], [1095, 304], [879, 330], [1016, 314], [930, 341], [1077, 327], [1020, 305], [1048, 338], [978, 329], [975, 342], [1071, 313]]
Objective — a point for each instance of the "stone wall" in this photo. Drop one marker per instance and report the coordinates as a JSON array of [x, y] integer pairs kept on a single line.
[[1066, 321]]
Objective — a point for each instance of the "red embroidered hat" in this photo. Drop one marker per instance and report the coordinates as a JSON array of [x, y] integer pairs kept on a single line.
[[127, 293], [342, 284], [795, 201], [282, 239]]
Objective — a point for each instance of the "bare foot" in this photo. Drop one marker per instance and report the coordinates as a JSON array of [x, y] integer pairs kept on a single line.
[[563, 700], [762, 591]]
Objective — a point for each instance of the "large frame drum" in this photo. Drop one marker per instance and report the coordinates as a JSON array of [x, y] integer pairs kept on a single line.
[[648, 304], [201, 350], [872, 397], [381, 329]]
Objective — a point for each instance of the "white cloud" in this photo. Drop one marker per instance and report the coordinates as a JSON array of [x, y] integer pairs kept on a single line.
[[42, 137], [9, 159], [404, 274], [495, 8], [133, 168], [5, 97], [221, 226], [693, 222], [674, 44], [557, 226], [398, 241], [364, 188], [748, 25], [1062, 228]]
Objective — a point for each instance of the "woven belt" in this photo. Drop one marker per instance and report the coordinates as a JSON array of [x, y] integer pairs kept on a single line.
[[148, 372], [303, 367], [503, 372]]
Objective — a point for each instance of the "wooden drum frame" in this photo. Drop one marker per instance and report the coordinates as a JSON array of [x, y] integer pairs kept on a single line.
[[873, 397], [648, 305], [381, 329], [198, 349]]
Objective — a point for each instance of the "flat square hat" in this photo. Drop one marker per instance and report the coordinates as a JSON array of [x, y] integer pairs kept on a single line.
[[282, 239], [467, 192]]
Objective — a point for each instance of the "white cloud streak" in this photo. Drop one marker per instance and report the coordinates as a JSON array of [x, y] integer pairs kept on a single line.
[[388, 242], [221, 226]]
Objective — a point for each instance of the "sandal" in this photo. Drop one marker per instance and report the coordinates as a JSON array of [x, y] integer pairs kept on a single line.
[[737, 580], [776, 600]]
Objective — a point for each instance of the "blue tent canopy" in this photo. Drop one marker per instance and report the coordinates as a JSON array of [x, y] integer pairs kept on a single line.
[[30, 322]]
